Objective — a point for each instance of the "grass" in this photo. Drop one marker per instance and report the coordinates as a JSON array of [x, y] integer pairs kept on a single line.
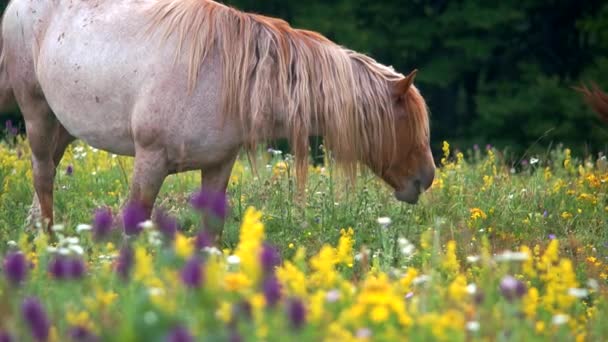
[[434, 272]]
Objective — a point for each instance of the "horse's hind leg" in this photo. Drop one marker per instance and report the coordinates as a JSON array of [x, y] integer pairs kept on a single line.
[[149, 173]]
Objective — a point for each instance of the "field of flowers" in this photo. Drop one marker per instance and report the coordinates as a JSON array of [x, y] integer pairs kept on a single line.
[[492, 252]]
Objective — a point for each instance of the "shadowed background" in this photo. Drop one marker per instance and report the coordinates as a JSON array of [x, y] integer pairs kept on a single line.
[[499, 74]]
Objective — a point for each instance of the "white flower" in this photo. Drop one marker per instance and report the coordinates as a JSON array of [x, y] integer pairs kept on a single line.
[[473, 326], [233, 260], [11, 243], [384, 221], [473, 258], [578, 293], [147, 224], [63, 251], [51, 249], [83, 227], [72, 240], [421, 279], [560, 319], [533, 161], [332, 296], [57, 227], [471, 289], [156, 291], [212, 250], [593, 284], [511, 256], [77, 249]]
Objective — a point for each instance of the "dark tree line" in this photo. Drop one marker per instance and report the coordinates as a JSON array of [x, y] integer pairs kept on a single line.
[[492, 72]]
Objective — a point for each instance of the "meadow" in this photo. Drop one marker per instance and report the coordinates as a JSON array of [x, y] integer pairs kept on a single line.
[[493, 252]]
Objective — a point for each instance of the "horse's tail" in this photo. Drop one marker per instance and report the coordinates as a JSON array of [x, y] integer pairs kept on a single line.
[[597, 100]]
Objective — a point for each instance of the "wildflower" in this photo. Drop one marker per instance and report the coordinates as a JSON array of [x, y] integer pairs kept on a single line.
[[143, 264], [450, 260], [477, 213], [296, 312], [269, 258], [530, 302], [62, 267], [124, 263], [134, 214], [81, 334], [473, 326], [167, 224], [458, 288], [384, 221], [344, 253], [512, 288], [69, 170], [192, 273], [250, 243], [566, 215], [179, 334], [210, 201], [560, 319], [272, 290], [5, 337], [184, 246], [578, 293], [102, 223], [36, 318], [236, 281], [15, 267]]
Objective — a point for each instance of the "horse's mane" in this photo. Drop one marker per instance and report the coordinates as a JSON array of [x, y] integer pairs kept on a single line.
[[597, 99], [269, 66]]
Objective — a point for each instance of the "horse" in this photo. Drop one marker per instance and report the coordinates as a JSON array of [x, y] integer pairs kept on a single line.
[[184, 85], [596, 99], [7, 99]]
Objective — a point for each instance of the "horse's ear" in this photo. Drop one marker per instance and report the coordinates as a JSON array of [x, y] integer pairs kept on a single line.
[[402, 86]]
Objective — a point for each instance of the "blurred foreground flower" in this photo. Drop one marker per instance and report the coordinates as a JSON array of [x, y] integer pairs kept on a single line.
[[102, 223], [133, 214], [192, 273], [210, 201], [36, 318], [15, 267], [179, 334], [512, 288], [296, 312]]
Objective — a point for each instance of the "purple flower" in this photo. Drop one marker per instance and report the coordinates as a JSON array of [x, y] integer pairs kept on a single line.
[[76, 268], [269, 258], [134, 214], [179, 334], [476, 147], [524, 162], [272, 290], [62, 267], [488, 147], [167, 224], [102, 223], [10, 129], [296, 312], [35, 318], [210, 201], [512, 288], [235, 336], [5, 337], [192, 273], [15, 267], [203, 239], [81, 334], [69, 170], [552, 236], [124, 263], [58, 267], [545, 214]]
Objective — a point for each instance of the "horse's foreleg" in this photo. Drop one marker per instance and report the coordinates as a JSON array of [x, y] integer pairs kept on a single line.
[[149, 174], [42, 132], [63, 139], [216, 179]]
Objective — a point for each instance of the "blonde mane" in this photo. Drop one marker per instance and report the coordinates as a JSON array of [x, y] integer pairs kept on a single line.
[[271, 69]]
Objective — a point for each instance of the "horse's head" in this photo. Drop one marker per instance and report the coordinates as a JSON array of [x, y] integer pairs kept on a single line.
[[408, 165]]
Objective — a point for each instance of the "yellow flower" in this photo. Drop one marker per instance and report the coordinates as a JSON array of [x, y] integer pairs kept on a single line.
[[450, 260], [184, 246], [345, 247], [280, 168], [407, 280], [458, 288], [81, 319], [224, 312], [236, 282], [143, 265], [446, 152], [379, 314], [250, 243], [477, 213], [293, 279], [530, 302], [322, 264]]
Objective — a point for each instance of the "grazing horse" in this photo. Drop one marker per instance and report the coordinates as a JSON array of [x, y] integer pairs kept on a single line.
[[7, 99], [597, 99], [185, 84]]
